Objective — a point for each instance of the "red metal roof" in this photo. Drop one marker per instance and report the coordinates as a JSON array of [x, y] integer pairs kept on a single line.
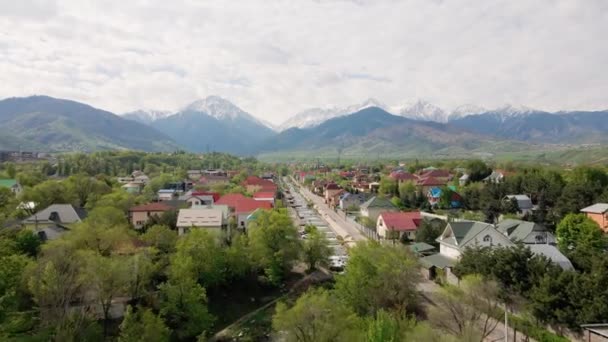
[[264, 194], [248, 205], [332, 186], [436, 174], [155, 206], [403, 176], [401, 221], [230, 199], [430, 181]]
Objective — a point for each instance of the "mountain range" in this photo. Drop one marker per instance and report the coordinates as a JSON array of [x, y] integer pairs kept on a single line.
[[214, 124], [43, 123]]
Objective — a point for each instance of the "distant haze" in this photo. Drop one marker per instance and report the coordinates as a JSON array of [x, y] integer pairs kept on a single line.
[[278, 58]]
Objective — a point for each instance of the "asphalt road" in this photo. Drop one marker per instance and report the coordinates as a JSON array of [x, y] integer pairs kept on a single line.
[[338, 223]]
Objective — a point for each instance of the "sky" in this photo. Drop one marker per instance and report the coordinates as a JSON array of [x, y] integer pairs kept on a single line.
[[275, 58]]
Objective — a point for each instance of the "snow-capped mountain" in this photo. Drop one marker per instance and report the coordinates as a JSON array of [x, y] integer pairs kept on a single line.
[[220, 109], [315, 116], [214, 124], [423, 111], [466, 110], [147, 116]]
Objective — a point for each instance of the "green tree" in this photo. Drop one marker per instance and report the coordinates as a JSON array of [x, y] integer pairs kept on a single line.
[[183, 305], [316, 249], [27, 242], [161, 237], [465, 311], [274, 242], [429, 231], [106, 278], [478, 170], [379, 277], [202, 250], [142, 326], [576, 230], [316, 316]]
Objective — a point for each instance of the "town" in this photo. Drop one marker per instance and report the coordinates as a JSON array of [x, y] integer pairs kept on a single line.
[[179, 246]]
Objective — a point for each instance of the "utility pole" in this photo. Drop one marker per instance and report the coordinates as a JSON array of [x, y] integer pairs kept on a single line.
[[506, 325]]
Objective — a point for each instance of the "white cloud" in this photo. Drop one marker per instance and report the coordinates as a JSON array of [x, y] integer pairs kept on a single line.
[[275, 58]]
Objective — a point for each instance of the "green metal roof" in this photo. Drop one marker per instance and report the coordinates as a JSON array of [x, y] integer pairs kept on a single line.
[[465, 231], [437, 260], [419, 247], [7, 183], [518, 229], [378, 202]]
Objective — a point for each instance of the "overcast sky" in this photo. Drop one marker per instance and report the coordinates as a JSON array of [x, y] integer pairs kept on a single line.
[[276, 58]]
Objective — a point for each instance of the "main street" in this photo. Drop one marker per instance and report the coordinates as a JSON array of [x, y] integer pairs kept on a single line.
[[342, 227]]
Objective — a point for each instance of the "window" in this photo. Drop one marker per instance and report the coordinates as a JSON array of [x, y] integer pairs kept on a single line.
[[487, 238], [139, 223], [539, 239]]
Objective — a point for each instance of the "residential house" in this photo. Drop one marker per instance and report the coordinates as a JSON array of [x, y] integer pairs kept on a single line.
[[524, 203], [443, 175], [497, 176], [264, 196], [330, 191], [396, 225], [348, 200], [194, 174], [200, 198], [141, 179], [463, 180], [374, 206], [458, 236], [255, 184], [526, 232], [425, 184], [242, 207], [434, 197], [204, 218], [53, 221], [402, 176], [166, 194], [597, 332], [318, 186], [11, 184], [132, 188], [139, 215], [246, 207], [213, 179], [598, 213], [334, 198]]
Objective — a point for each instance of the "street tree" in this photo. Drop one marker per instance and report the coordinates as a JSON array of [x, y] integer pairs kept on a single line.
[[379, 277], [143, 325], [316, 249], [316, 316], [274, 243], [465, 311]]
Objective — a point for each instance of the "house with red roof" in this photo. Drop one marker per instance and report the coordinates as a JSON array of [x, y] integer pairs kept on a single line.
[[437, 174], [430, 182], [245, 207], [254, 184], [230, 199], [402, 176], [395, 225], [139, 215], [330, 192], [264, 196]]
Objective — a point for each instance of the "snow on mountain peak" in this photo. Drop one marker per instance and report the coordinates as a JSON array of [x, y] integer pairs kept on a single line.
[[425, 111], [515, 109], [466, 110], [217, 107], [148, 115], [315, 116]]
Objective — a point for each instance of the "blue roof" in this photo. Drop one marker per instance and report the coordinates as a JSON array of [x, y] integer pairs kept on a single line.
[[435, 192]]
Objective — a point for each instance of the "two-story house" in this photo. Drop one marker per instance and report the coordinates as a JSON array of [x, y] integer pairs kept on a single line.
[[598, 213]]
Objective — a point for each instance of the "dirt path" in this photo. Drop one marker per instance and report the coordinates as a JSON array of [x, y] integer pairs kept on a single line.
[[298, 287]]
